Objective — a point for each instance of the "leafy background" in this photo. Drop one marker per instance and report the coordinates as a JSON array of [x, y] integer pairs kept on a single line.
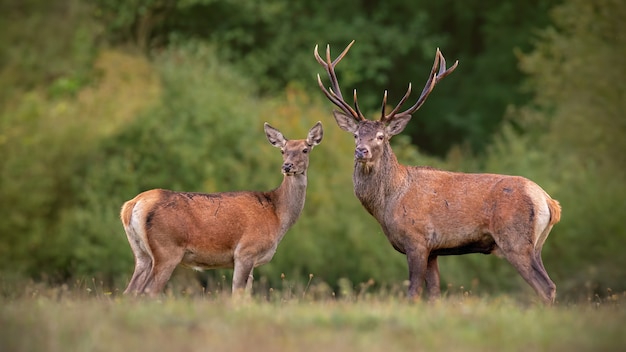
[[104, 99]]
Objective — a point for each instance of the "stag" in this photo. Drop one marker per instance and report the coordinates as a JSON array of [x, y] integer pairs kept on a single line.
[[425, 212], [239, 230]]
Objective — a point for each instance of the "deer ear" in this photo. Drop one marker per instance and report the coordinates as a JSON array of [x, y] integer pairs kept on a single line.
[[315, 134], [345, 122], [398, 124], [274, 136]]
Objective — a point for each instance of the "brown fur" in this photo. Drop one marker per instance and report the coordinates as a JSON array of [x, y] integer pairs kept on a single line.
[[239, 230], [425, 212]]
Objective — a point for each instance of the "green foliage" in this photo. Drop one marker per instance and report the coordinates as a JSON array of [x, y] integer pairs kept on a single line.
[[468, 107], [84, 128], [46, 144], [35, 136], [272, 42], [31, 53]]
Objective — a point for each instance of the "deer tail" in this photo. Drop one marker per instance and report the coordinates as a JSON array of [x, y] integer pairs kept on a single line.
[[555, 210], [127, 211]]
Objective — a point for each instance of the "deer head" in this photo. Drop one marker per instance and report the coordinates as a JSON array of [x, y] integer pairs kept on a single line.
[[370, 136], [295, 153]]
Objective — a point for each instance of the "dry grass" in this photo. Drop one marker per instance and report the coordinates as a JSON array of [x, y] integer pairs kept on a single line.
[[35, 317]]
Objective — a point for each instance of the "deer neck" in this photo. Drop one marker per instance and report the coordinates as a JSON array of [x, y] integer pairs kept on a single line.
[[377, 182], [289, 200]]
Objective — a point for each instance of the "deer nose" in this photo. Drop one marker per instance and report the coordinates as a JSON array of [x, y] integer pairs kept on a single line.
[[287, 167], [361, 152]]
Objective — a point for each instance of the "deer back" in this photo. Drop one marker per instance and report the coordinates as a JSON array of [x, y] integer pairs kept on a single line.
[[207, 222]]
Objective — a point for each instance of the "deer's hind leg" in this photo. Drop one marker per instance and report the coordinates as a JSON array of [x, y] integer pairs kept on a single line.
[[163, 264], [533, 272], [433, 285], [540, 269], [143, 264], [527, 260], [520, 228], [242, 277]]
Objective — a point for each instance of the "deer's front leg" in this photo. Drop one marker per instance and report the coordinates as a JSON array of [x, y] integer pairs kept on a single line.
[[417, 260]]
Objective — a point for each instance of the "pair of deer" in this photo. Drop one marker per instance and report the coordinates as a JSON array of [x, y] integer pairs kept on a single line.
[[424, 212]]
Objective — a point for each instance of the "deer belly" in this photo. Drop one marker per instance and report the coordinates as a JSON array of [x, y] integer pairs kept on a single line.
[[204, 261], [482, 244]]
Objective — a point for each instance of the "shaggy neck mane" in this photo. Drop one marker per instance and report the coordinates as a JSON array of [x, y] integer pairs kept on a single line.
[[376, 181]]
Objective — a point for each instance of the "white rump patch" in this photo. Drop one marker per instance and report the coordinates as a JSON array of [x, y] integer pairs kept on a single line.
[[542, 212]]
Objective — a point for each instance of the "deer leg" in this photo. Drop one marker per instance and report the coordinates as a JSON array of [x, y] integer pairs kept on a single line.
[[250, 282], [541, 282], [539, 261], [417, 270], [143, 263], [433, 285], [542, 274], [541, 270], [242, 276], [142, 270], [162, 267], [532, 271]]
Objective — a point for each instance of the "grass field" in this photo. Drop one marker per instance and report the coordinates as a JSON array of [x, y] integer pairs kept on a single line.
[[35, 317]]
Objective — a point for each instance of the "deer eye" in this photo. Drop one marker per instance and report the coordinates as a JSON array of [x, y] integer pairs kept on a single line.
[[282, 151], [305, 150], [380, 137]]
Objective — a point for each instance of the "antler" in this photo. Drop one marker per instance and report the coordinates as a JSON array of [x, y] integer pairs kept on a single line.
[[433, 78], [334, 92]]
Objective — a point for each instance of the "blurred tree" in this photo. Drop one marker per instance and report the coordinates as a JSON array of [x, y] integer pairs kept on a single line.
[[32, 55], [83, 128], [135, 21], [38, 75], [271, 41], [483, 36], [46, 144]]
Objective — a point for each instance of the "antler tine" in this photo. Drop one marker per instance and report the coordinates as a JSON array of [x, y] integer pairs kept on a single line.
[[356, 107], [333, 97], [330, 67], [442, 67], [334, 92], [382, 112], [339, 102], [385, 118], [433, 78]]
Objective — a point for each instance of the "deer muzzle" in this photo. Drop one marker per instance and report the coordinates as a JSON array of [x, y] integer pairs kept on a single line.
[[361, 153], [288, 169]]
